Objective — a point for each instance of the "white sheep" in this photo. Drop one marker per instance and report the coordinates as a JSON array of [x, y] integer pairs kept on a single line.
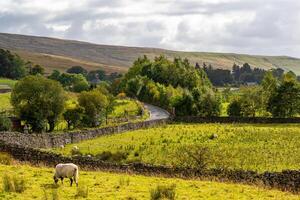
[[68, 170]]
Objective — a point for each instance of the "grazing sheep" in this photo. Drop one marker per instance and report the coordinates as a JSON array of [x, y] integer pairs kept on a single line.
[[68, 170]]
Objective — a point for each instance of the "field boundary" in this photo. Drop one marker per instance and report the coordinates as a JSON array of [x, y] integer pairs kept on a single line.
[[288, 180], [249, 120], [50, 140]]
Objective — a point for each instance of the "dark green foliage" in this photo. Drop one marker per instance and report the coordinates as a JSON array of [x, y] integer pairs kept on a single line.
[[184, 105], [95, 104], [38, 101], [73, 117], [163, 192], [11, 65], [170, 85], [37, 69], [235, 109], [71, 82], [5, 123], [77, 70], [112, 157], [97, 74], [285, 101], [218, 77]]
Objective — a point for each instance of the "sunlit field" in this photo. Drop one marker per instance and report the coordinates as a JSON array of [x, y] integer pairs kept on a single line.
[[260, 148], [38, 184]]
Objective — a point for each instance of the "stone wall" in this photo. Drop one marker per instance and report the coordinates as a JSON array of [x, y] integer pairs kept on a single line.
[[257, 120], [50, 140], [285, 180]]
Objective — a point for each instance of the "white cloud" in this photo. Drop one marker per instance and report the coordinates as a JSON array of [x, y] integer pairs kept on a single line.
[[242, 26]]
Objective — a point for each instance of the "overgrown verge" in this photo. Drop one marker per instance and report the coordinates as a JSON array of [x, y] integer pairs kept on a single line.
[[288, 180]]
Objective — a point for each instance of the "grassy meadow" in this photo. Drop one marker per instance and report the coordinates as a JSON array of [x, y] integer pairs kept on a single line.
[[38, 184], [5, 101], [260, 148], [4, 82]]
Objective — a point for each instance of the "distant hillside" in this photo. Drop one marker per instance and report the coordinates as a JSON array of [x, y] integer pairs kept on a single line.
[[61, 54]]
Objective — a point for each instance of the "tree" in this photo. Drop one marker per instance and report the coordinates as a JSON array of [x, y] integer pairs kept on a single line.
[[73, 116], [184, 105], [77, 70], [38, 101], [235, 109], [37, 69], [285, 101], [71, 82], [11, 65], [94, 104]]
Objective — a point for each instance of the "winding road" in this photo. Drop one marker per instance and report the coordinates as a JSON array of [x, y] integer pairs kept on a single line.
[[156, 112]]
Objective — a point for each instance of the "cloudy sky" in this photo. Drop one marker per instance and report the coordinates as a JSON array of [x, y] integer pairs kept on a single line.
[[270, 27]]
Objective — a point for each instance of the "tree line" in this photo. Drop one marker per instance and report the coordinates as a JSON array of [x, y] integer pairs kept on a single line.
[[239, 75], [174, 85]]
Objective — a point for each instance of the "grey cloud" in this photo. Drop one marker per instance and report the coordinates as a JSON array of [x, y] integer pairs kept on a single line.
[[273, 26]]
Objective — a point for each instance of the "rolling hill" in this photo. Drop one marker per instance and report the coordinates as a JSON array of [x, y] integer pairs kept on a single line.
[[61, 54]]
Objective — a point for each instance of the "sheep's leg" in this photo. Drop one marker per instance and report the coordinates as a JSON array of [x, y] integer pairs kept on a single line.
[[71, 181], [62, 180]]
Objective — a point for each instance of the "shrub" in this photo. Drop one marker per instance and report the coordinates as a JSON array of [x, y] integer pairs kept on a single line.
[[193, 156], [5, 159], [13, 183], [113, 157], [163, 192], [234, 109], [73, 116], [82, 192], [5, 123]]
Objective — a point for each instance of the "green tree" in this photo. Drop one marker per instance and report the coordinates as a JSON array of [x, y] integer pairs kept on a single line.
[[94, 104], [77, 70], [234, 108], [11, 65], [285, 101], [37, 69], [73, 116], [38, 101]]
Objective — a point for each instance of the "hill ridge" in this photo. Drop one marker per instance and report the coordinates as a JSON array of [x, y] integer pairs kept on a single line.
[[64, 53]]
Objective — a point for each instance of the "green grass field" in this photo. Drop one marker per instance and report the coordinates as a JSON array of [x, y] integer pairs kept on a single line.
[[100, 185], [5, 101], [7, 82], [123, 106], [249, 147]]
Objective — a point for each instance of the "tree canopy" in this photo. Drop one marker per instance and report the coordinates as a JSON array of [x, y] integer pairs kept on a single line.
[[38, 101]]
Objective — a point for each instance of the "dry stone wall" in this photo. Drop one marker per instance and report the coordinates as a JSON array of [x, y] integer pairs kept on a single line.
[[50, 140], [288, 180]]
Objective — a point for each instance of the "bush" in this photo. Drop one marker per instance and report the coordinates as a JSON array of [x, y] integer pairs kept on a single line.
[[73, 116], [5, 159], [112, 157], [13, 183], [82, 192], [193, 156], [234, 109], [163, 192], [5, 123]]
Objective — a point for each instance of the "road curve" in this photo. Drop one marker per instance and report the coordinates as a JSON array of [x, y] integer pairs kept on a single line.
[[156, 112]]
